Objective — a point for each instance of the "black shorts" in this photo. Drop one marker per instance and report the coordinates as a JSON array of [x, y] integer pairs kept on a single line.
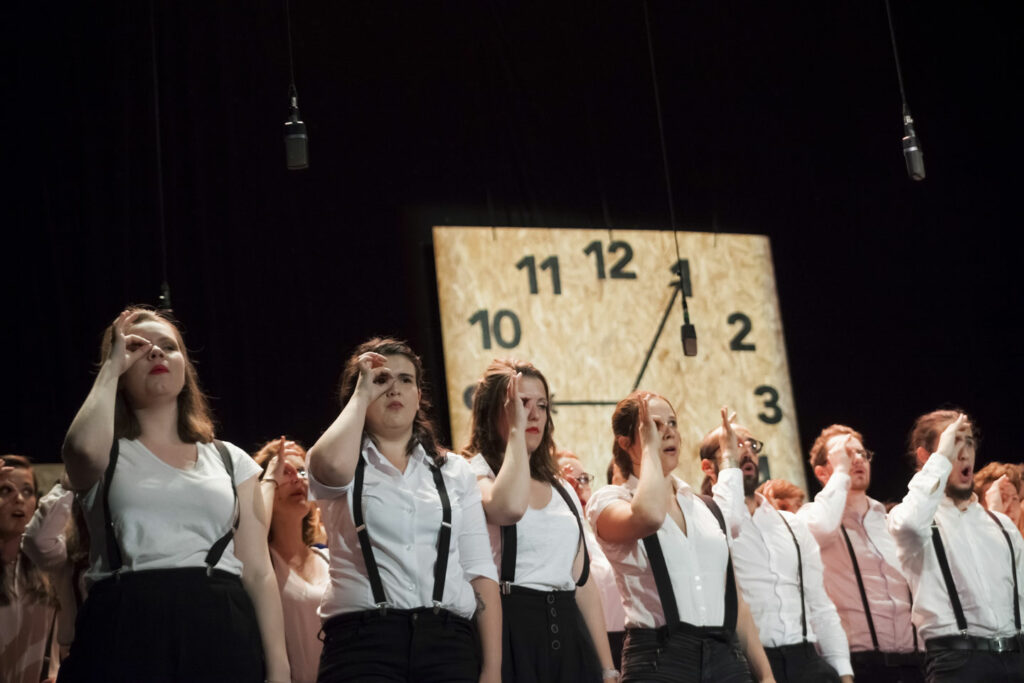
[[166, 625]]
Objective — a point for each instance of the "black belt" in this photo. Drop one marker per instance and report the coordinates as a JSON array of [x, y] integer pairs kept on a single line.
[[664, 633], [1004, 644], [549, 596], [369, 615], [804, 647], [891, 659]]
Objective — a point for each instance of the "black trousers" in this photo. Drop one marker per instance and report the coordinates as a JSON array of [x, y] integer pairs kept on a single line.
[[402, 646], [544, 638], [884, 667], [800, 663], [166, 625], [615, 639], [688, 655], [972, 666]]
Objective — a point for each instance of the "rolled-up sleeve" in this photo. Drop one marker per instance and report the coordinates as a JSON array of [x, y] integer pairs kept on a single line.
[[44, 541], [474, 542], [825, 514]]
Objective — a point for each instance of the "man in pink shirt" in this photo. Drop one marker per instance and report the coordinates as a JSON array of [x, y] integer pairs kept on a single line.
[[861, 561]]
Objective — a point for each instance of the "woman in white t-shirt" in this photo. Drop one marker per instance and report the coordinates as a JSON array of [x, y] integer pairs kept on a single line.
[[553, 626], [685, 620], [301, 569], [173, 516], [410, 564]]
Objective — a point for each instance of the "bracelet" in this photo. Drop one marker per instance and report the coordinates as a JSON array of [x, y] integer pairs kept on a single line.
[[608, 674]]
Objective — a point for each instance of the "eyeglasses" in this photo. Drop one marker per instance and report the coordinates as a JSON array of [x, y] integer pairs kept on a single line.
[[866, 454], [301, 473], [754, 445], [584, 478]]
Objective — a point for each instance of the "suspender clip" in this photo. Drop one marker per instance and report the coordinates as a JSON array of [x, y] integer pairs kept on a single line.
[[505, 587], [209, 570], [383, 607], [963, 634], [117, 573], [437, 607]]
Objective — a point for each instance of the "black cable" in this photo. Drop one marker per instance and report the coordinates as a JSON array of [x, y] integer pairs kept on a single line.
[[292, 90], [165, 290], [895, 54], [661, 125]]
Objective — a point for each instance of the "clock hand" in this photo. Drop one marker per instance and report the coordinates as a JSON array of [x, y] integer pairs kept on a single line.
[[677, 285]]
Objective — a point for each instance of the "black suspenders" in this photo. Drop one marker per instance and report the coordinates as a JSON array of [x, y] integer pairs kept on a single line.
[[663, 583], [800, 570], [114, 560], [444, 539], [864, 595], [508, 548], [947, 575]]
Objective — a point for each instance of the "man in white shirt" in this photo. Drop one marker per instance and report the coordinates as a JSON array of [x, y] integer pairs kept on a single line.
[[963, 563], [861, 560], [778, 568]]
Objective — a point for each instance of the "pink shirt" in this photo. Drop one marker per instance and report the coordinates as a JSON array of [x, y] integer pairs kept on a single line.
[[887, 590]]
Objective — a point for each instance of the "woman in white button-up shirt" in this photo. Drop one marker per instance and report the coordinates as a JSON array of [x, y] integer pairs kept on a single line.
[[399, 606], [709, 637], [553, 631]]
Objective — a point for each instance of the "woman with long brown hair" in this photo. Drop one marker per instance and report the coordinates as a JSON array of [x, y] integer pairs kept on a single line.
[[410, 564], [173, 517], [553, 622]]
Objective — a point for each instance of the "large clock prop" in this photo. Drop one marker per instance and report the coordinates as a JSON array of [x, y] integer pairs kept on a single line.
[[598, 312]]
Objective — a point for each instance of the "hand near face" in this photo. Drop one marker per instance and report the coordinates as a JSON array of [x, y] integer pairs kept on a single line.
[[839, 455], [648, 429], [728, 442], [275, 468], [125, 349], [516, 414], [375, 378], [953, 438]]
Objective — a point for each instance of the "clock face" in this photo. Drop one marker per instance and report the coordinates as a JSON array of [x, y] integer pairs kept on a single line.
[[599, 313]]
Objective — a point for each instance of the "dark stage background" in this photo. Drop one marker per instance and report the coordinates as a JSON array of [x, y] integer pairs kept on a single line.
[[782, 119]]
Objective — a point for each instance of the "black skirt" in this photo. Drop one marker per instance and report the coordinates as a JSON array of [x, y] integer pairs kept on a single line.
[[544, 638], [166, 625]]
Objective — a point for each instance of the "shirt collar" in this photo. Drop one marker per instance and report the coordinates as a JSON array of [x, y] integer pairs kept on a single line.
[[375, 457]]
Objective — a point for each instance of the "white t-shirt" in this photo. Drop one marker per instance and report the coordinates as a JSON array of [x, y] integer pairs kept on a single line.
[[165, 517], [402, 513], [300, 600], [696, 561], [547, 539]]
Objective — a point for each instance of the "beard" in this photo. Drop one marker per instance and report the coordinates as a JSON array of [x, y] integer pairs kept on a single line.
[[750, 482], [959, 493]]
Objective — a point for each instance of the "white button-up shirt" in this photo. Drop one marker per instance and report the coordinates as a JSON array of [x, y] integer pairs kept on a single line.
[[887, 591], [979, 557], [696, 561], [765, 560], [402, 512]]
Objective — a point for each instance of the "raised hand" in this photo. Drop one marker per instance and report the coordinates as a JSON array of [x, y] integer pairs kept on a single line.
[[839, 453], [953, 437], [275, 468], [516, 414], [648, 429], [728, 442], [375, 378], [125, 349]]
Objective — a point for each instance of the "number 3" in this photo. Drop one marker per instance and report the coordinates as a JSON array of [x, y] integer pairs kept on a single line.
[[772, 403]]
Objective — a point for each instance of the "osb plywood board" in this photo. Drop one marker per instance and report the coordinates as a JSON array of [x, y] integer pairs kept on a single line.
[[585, 306]]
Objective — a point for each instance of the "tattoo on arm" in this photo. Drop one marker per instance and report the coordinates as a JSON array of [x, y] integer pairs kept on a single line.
[[480, 606]]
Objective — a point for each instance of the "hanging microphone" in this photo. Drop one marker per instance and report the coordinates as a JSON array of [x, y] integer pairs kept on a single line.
[[911, 147], [164, 300], [688, 331], [295, 138]]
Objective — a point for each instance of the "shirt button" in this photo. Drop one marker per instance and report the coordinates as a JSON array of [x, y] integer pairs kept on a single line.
[[408, 547]]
